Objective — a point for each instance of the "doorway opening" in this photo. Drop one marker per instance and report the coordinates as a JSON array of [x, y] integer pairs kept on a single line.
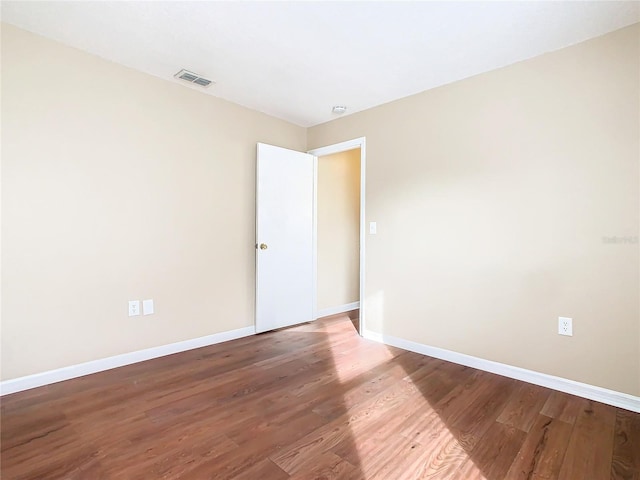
[[339, 230]]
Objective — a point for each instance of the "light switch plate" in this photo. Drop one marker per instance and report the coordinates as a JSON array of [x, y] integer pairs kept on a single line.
[[373, 228], [147, 307]]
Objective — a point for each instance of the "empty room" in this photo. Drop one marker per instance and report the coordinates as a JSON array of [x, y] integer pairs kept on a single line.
[[320, 240]]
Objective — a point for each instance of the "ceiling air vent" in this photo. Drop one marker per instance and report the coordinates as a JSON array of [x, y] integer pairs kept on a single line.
[[191, 77]]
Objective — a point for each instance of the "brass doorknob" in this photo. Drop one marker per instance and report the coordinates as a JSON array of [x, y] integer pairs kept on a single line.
[[263, 246]]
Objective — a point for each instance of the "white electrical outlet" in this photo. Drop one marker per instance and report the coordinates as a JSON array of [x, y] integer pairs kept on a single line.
[[565, 326], [134, 308]]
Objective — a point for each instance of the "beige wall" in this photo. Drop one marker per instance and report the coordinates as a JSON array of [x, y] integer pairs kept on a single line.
[[492, 197], [338, 229], [117, 186]]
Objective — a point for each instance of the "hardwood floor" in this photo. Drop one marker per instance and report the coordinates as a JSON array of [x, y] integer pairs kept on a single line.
[[311, 402]]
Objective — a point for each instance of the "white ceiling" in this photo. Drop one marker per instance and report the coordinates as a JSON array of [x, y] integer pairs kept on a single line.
[[295, 60]]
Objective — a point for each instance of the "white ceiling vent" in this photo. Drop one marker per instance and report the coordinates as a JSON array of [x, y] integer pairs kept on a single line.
[[191, 77]]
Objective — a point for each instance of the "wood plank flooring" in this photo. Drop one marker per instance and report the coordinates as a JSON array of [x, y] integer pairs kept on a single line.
[[311, 402]]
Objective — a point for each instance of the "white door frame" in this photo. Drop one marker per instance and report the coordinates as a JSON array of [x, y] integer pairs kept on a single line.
[[329, 150]]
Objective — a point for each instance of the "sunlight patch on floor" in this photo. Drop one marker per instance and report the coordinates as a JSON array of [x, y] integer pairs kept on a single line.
[[425, 448], [352, 368], [421, 442]]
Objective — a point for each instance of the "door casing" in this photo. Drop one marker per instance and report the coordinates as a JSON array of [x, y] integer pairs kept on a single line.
[[329, 150]]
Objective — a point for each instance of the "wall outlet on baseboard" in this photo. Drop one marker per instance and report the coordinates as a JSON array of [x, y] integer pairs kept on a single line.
[[565, 326]]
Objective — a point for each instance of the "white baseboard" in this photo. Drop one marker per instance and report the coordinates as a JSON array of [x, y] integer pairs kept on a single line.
[[94, 366], [599, 394], [347, 307]]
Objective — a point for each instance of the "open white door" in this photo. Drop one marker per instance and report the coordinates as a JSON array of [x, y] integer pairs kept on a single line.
[[285, 274]]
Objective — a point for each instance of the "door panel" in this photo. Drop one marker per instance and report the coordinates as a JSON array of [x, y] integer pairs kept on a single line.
[[284, 238]]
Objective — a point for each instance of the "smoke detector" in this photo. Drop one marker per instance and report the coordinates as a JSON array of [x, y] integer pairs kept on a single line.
[[339, 109], [191, 77]]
